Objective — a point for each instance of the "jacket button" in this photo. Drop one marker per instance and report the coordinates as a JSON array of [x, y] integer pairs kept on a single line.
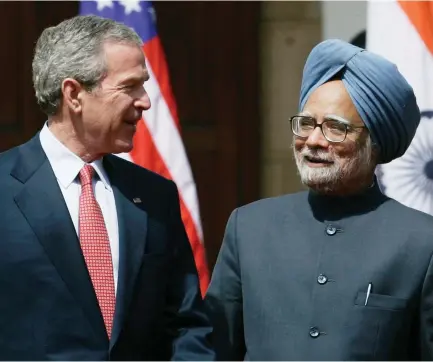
[[314, 332], [322, 279], [331, 230]]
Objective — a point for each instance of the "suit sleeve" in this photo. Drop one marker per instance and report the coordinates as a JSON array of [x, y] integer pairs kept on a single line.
[[224, 299], [426, 315], [187, 326]]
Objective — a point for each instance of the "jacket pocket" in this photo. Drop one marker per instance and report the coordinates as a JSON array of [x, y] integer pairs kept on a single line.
[[381, 301]]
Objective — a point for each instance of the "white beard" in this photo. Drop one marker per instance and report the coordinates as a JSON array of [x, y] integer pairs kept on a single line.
[[341, 170]]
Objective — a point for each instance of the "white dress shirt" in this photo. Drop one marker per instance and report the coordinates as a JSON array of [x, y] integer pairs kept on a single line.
[[66, 166]]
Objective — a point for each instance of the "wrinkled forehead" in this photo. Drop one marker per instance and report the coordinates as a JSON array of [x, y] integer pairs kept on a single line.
[[122, 59], [332, 100]]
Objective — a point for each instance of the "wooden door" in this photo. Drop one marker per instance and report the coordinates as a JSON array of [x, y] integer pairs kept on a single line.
[[20, 25], [212, 54]]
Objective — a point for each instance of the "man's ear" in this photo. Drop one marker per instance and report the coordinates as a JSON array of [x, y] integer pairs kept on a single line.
[[72, 94]]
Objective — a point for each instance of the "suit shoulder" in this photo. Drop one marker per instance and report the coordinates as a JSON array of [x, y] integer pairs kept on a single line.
[[8, 158], [405, 215], [408, 228], [130, 168]]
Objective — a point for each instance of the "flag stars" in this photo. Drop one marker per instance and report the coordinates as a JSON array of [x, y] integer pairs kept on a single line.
[[101, 4], [130, 6], [152, 14]]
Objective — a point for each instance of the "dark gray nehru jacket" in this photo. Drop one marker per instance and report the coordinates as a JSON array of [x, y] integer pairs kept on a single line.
[[291, 280]]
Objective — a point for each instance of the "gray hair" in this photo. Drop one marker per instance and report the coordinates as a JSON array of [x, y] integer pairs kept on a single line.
[[73, 49]]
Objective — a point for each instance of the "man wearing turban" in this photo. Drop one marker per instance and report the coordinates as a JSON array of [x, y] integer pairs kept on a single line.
[[338, 272]]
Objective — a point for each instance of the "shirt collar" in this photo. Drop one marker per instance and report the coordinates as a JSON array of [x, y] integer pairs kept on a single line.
[[65, 164]]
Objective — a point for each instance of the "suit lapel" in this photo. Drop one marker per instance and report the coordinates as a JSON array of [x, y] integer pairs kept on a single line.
[[132, 237], [41, 202]]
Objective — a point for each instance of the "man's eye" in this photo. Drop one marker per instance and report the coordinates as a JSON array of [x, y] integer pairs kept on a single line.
[[336, 127]]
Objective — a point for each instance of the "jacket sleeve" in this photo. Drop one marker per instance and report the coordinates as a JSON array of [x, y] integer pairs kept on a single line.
[[187, 327], [426, 315], [224, 299]]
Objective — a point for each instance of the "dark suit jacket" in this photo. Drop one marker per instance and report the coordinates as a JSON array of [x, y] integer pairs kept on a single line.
[[292, 275], [48, 308]]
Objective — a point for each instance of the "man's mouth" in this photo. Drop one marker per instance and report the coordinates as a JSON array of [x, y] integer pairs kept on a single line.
[[131, 122], [317, 160]]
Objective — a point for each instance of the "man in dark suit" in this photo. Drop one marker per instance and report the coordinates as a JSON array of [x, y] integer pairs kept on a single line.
[[95, 263], [339, 272]]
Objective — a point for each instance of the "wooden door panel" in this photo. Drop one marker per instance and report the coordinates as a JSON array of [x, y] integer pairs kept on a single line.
[[212, 54], [20, 25], [14, 72], [10, 61]]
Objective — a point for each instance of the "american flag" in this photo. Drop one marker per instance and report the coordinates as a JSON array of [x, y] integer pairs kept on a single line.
[[158, 144]]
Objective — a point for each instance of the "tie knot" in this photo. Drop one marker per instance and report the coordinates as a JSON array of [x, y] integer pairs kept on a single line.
[[86, 175]]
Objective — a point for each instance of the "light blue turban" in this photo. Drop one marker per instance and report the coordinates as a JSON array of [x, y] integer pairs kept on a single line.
[[381, 95]]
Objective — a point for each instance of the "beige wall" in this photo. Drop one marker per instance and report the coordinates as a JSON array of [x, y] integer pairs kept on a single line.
[[288, 32]]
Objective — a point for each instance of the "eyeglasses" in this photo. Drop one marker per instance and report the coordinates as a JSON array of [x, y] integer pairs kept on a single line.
[[333, 130]]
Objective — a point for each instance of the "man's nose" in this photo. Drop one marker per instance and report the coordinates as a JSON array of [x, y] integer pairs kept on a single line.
[[143, 101], [317, 139]]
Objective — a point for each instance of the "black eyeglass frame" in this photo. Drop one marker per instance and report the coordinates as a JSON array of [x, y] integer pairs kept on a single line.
[[320, 125]]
